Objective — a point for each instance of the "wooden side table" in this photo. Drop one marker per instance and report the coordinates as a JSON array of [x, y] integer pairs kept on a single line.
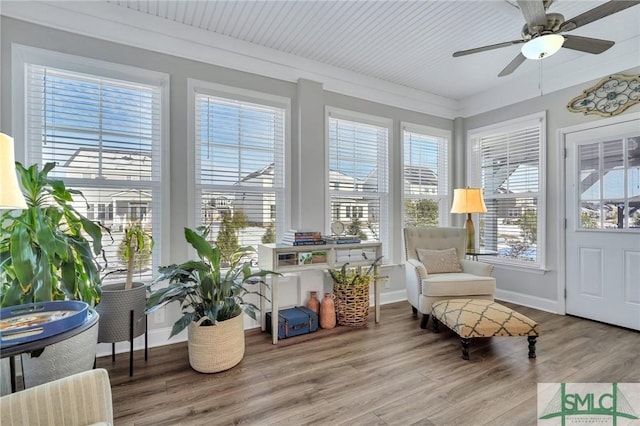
[[473, 254]]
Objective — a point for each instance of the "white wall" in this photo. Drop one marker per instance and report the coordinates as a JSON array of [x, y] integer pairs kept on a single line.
[[528, 287], [308, 100]]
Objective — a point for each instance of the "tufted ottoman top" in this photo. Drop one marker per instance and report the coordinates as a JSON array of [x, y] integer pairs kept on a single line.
[[483, 318]]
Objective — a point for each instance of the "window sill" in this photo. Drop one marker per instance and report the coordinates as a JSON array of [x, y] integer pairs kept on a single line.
[[533, 269]]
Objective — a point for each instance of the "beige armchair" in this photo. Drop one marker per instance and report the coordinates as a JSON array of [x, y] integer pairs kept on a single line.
[[80, 399], [472, 279]]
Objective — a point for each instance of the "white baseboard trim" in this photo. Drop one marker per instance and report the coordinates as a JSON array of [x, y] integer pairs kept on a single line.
[[160, 336], [529, 301], [156, 337], [390, 297]]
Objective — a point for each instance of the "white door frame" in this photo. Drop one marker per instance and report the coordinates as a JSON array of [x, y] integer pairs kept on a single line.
[[562, 194]]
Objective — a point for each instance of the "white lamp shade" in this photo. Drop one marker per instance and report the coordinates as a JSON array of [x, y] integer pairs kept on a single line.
[[468, 200], [542, 46], [10, 194]]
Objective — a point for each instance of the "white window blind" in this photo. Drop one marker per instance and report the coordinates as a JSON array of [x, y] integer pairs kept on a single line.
[[425, 178], [506, 163], [239, 170], [104, 135], [358, 177]]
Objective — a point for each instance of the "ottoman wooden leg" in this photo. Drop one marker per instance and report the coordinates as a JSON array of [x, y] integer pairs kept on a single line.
[[414, 310], [424, 321], [436, 325], [465, 348], [532, 346]]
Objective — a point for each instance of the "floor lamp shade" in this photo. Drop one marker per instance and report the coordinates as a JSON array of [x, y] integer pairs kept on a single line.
[[10, 194], [469, 200]]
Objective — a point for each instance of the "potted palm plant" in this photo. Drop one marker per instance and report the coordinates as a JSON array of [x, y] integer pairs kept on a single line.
[[121, 299], [48, 252], [212, 300]]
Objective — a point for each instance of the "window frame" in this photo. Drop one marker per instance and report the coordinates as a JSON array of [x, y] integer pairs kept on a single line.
[[23, 55], [197, 87], [444, 217], [474, 179], [385, 236]]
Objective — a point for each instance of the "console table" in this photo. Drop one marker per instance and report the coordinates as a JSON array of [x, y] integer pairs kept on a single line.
[[283, 258]]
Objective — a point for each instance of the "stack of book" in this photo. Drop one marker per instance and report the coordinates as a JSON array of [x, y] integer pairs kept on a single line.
[[343, 239], [303, 238]]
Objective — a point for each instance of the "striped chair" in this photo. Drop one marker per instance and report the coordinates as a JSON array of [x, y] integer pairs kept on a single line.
[[80, 399]]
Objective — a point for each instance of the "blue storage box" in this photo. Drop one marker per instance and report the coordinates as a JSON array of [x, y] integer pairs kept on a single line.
[[294, 322]]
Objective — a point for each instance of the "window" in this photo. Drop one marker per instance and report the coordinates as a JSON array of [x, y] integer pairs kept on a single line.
[[104, 134], [604, 167], [358, 173], [239, 168], [425, 176], [507, 162]]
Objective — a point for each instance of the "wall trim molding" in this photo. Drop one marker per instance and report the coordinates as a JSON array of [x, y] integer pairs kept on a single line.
[[160, 336], [529, 301], [111, 23]]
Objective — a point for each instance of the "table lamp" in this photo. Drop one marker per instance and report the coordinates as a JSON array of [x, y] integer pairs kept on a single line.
[[10, 194], [469, 200]]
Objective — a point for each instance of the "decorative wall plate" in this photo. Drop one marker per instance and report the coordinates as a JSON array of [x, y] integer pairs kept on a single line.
[[610, 96]]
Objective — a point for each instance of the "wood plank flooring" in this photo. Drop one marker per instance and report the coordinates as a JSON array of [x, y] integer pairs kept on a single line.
[[391, 373]]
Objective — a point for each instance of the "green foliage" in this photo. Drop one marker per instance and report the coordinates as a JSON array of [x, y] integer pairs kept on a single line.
[[44, 252], [528, 224], [588, 221], [135, 250], [421, 212], [353, 277], [203, 288], [355, 228], [269, 234], [227, 240]]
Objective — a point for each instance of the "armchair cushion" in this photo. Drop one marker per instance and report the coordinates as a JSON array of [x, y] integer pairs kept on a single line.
[[457, 284], [439, 261]]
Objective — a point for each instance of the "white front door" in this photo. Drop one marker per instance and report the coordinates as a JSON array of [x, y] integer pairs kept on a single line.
[[603, 222]]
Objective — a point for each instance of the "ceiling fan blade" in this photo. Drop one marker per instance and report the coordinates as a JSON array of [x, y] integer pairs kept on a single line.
[[586, 44], [534, 14], [606, 9], [485, 48], [517, 61]]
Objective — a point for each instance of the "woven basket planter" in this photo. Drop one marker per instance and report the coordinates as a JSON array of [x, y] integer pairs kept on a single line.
[[218, 347], [352, 304]]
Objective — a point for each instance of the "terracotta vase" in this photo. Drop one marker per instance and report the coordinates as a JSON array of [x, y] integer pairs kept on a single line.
[[313, 303], [327, 312]]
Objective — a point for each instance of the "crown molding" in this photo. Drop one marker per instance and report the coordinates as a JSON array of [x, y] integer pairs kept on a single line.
[[115, 24]]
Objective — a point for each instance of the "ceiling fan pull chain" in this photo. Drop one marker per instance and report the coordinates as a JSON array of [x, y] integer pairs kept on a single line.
[[540, 78]]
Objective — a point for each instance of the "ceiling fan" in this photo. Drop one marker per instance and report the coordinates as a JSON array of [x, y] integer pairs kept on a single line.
[[541, 34]]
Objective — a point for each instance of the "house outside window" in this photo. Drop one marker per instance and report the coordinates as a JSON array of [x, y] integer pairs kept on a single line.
[[102, 124], [239, 158], [507, 161], [425, 175], [358, 173]]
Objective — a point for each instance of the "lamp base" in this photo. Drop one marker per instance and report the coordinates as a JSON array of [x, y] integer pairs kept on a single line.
[[471, 234]]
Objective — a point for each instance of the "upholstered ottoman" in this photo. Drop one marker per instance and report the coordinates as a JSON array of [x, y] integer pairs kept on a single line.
[[470, 318]]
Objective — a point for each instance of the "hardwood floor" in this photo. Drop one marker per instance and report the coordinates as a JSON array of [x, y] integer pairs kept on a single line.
[[392, 373]]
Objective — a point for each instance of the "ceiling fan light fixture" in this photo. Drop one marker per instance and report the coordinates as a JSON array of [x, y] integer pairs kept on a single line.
[[542, 46]]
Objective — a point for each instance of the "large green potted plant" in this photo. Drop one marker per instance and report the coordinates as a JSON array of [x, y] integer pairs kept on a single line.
[[212, 300], [119, 299], [48, 252]]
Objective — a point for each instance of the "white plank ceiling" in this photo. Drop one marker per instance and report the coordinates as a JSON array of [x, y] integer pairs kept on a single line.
[[403, 42]]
